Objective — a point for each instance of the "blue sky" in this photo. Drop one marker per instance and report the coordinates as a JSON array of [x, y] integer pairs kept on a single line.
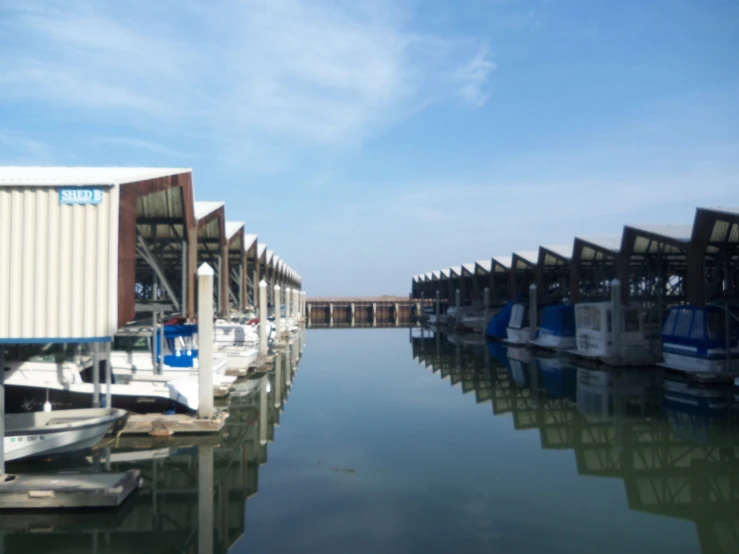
[[368, 141]]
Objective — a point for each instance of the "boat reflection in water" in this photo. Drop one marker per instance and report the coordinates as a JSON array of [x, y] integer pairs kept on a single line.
[[674, 446], [195, 488]]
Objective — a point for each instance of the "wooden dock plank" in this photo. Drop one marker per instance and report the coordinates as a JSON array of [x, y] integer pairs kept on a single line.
[[160, 424]]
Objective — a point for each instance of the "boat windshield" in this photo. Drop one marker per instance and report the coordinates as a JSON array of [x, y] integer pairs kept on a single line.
[[132, 343], [56, 353]]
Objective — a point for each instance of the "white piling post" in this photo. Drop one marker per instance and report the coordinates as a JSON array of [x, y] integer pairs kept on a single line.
[[352, 306], [288, 308], [374, 314], [96, 374], [305, 303], [616, 316], [396, 314], [533, 308], [438, 306], [296, 305], [458, 305], [485, 309], [108, 377], [2, 409], [278, 309], [331, 315], [160, 367], [205, 341], [263, 330]]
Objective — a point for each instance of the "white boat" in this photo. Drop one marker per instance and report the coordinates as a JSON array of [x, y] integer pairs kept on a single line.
[[638, 337], [45, 374], [518, 330], [230, 333], [132, 358], [694, 339], [37, 434]]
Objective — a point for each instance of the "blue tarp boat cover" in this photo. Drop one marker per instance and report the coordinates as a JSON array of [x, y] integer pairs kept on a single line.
[[558, 320], [499, 324]]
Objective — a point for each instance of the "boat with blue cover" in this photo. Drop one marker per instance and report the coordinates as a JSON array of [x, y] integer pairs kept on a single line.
[[557, 328], [518, 331], [177, 357], [694, 339], [498, 326]]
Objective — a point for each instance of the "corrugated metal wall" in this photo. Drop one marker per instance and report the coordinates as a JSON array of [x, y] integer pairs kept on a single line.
[[58, 265]]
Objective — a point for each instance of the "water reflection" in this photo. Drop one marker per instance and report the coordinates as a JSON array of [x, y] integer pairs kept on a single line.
[[674, 446], [195, 489]]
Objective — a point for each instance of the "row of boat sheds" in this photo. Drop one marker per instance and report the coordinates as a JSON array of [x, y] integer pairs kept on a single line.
[[663, 295], [126, 306]]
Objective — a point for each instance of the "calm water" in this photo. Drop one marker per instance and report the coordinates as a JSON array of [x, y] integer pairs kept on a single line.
[[381, 442]]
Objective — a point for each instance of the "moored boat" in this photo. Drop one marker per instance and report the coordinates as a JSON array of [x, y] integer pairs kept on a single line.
[[35, 434], [595, 336], [694, 339], [557, 328], [518, 330]]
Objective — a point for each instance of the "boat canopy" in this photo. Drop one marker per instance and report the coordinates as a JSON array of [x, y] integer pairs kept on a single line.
[[497, 328], [699, 327], [559, 320]]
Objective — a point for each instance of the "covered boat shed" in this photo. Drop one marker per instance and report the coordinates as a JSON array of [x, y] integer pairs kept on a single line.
[[714, 269], [236, 264], [470, 289], [523, 273], [212, 248], [553, 272], [482, 277], [251, 248], [455, 283], [654, 263], [594, 266], [500, 280], [63, 224]]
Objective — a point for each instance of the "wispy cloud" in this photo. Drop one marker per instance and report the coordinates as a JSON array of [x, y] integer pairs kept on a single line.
[[473, 78], [277, 73], [143, 145], [20, 149]]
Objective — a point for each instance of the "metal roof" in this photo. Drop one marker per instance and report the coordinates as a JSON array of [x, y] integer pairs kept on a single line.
[[612, 242], [485, 265], [529, 256], [270, 255], [429, 275], [469, 268], [502, 262], [261, 249], [446, 273], [681, 233], [203, 208], [436, 274], [82, 176], [657, 239], [249, 241], [595, 248], [457, 270], [233, 227], [729, 211], [561, 250]]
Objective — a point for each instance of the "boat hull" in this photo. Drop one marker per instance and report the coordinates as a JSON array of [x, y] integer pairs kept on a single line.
[[519, 336], [69, 437], [554, 342], [692, 362], [29, 398]]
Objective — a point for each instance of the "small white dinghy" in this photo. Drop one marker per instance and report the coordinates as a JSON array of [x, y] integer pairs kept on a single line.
[[37, 434]]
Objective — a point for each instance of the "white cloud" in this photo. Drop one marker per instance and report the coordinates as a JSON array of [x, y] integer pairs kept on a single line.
[[473, 78], [288, 72], [143, 145], [20, 149]]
